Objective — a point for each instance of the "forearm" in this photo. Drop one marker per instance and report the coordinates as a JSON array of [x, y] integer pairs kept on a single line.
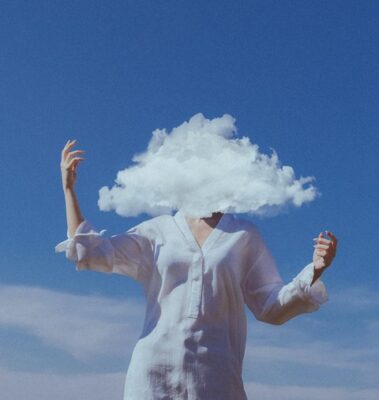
[[275, 302], [73, 214]]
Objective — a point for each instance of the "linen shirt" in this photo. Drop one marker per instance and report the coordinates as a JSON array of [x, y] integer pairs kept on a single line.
[[194, 334]]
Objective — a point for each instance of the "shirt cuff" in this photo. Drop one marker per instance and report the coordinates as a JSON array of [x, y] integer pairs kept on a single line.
[[84, 227], [77, 246], [317, 293]]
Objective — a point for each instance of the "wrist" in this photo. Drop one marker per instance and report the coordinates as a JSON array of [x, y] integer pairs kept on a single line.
[[316, 274]]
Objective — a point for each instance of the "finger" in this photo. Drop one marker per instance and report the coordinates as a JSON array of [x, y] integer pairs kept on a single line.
[[321, 246], [67, 147], [74, 166], [334, 239], [328, 245], [74, 161], [64, 148], [74, 151], [69, 144], [322, 241], [330, 234], [321, 253], [319, 237], [72, 154]]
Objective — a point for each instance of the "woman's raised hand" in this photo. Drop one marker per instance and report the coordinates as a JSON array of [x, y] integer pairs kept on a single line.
[[69, 163], [324, 251]]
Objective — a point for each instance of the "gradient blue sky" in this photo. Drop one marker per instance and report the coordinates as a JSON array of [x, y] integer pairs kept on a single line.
[[299, 76]]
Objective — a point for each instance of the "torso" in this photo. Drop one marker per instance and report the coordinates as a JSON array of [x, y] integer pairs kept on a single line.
[[194, 334]]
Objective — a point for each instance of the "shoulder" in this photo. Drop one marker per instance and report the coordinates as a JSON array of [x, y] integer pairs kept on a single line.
[[157, 222], [152, 228], [245, 225], [251, 233]]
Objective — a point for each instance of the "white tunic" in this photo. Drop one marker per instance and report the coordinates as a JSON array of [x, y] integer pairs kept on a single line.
[[194, 334]]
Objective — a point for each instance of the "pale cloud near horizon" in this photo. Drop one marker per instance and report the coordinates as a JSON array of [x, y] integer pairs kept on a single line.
[[316, 354], [291, 392], [47, 386], [201, 166], [83, 326], [86, 326], [356, 299]]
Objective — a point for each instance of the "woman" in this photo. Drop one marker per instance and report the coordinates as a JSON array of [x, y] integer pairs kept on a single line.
[[197, 275]]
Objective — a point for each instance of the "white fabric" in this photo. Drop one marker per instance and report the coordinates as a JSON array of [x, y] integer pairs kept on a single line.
[[194, 335]]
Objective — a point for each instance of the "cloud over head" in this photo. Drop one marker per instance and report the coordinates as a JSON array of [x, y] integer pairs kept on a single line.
[[202, 167]]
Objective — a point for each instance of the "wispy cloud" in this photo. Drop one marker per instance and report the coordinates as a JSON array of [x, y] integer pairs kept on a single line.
[[83, 326], [266, 392], [356, 299], [334, 349], [45, 386], [314, 354], [95, 326]]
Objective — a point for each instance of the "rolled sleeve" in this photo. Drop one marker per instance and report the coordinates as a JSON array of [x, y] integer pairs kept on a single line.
[[273, 301], [129, 253], [301, 284]]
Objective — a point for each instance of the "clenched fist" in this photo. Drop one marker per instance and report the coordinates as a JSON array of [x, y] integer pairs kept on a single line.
[[324, 252]]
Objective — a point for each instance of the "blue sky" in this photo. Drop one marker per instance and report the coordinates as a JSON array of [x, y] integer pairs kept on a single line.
[[298, 76]]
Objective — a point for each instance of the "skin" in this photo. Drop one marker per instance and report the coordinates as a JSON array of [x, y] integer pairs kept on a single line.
[[202, 227], [69, 163], [324, 247], [324, 252]]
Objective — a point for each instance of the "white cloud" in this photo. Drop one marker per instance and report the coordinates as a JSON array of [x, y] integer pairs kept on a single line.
[[356, 299], [45, 386], [202, 167], [87, 326], [83, 326], [265, 392], [336, 349], [314, 354]]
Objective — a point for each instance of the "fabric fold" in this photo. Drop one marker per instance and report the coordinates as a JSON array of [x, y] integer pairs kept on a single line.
[[84, 242], [315, 293], [129, 253], [270, 298]]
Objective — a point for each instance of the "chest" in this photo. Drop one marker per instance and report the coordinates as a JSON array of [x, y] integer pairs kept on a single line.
[[201, 251], [200, 231]]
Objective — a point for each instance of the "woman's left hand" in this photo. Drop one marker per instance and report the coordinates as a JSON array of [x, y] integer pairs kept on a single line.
[[325, 251]]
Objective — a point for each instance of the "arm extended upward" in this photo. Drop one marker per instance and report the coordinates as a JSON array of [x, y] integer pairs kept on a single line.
[[69, 163]]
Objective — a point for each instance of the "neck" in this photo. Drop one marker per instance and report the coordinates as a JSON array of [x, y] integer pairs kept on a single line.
[[215, 217]]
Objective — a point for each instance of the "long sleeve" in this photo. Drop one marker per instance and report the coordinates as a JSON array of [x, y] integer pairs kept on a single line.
[[129, 253], [272, 301]]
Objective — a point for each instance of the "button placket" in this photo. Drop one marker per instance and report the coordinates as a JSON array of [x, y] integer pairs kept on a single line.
[[196, 287]]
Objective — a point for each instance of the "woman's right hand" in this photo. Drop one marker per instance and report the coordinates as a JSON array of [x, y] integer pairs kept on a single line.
[[69, 163]]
